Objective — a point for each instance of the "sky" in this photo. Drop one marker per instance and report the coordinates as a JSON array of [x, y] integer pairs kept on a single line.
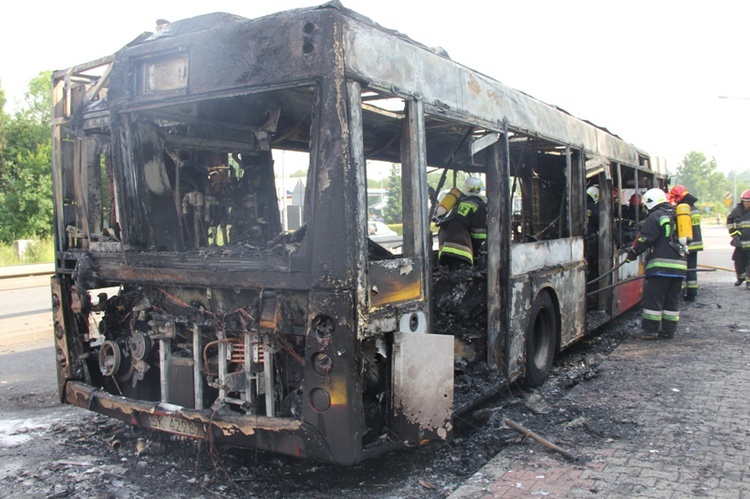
[[650, 71]]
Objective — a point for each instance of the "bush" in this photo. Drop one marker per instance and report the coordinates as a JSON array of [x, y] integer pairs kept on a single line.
[[37, 252], [8, 255], [40, 251]]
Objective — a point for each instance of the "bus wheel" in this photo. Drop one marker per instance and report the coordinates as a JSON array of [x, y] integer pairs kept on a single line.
[[541, 339]]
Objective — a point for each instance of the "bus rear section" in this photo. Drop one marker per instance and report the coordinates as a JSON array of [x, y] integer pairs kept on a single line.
[[204, 291], [214, 189]]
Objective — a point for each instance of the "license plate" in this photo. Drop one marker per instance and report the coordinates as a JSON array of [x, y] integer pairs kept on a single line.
[[175, 425]]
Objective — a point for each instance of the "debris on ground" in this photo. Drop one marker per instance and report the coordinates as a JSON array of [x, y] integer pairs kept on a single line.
[[63, 451]]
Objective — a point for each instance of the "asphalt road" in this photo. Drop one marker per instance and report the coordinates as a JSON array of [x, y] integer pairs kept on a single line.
[[717, 255], [25, 312], [21, 296], [26, 344]]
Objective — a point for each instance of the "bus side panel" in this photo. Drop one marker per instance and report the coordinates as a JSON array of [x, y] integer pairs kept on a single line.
[[557, 265], [629, 294], [520, 292], [570, 287]]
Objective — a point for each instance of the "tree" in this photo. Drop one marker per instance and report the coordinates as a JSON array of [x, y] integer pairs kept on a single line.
[[38, 105], [738, 182], [3, 121], [433, 179], [699, 175], [26, 161], [392, 214]]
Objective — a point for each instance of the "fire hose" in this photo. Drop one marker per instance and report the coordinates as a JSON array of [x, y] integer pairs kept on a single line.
[[712, 268], [608, 272], [707, 268]]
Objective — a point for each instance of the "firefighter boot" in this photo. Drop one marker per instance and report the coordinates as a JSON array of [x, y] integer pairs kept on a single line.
[[645, 335]]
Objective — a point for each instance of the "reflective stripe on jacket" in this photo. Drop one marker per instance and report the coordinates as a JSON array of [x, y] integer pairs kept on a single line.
[[738, 224], [663, 259], [464, 229]]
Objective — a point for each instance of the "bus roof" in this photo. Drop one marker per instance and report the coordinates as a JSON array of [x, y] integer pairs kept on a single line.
[[450, 87], [392, 63]]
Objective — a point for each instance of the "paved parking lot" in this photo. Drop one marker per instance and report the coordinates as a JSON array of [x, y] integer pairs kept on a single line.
[[682, 408]]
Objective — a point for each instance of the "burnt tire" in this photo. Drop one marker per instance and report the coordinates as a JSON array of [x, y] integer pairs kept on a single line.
[[541, 340]]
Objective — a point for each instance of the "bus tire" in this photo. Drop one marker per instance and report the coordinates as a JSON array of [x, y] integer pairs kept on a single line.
[[541, 340]]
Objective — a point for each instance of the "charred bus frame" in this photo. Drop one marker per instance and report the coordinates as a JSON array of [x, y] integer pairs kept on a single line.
[[315, 342]]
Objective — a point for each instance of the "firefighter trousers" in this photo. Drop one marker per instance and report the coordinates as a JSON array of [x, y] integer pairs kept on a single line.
[[741, 263], [691, 281], [661, 304]]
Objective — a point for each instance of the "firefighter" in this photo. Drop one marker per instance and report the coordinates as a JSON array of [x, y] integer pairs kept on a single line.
[[592, 211], [679, 194], [591, 239], [666, 264], [633, 215], [635, 209], [464, 229], [738, 223]]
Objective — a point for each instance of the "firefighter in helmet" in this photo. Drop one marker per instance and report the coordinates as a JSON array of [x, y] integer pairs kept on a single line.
[[666, 265], [635, 211], [592, 211], [464, 229], [738, 223], [679, 194], [591, 239]]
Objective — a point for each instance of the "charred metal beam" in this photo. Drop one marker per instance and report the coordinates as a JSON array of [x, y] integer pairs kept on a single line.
[[177, 271]]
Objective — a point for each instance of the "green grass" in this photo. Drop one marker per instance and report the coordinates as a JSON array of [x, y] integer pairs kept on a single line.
[[40, 251]]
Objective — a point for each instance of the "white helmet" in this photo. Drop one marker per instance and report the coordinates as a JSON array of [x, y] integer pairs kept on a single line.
[[654, 197], [473, 185], [593, 191]]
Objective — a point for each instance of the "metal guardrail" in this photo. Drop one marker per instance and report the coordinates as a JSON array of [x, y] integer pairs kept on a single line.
[[35, 269]]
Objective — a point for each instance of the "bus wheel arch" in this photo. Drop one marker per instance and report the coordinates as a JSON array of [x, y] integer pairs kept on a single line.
[[541, 338]]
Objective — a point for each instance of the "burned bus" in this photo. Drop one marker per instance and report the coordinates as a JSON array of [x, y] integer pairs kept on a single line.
[[191, 297]]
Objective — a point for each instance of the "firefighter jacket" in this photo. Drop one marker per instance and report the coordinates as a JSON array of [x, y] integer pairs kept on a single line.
[[738, 223], [464, 230], [695, 217], [659, 237], [592, 218]]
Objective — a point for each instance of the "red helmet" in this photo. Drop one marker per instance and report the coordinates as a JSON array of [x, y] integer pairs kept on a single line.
[[635, 200], [677, 193], [745, 195]]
